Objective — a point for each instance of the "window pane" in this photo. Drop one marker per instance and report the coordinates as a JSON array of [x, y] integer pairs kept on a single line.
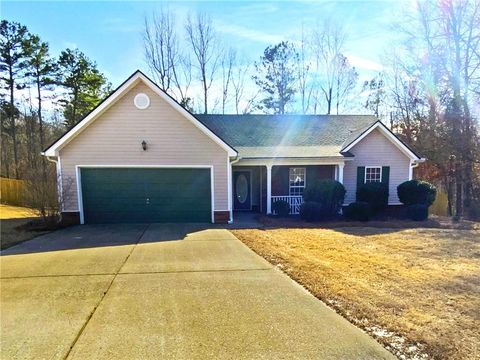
[[296, 179], [373, 174]]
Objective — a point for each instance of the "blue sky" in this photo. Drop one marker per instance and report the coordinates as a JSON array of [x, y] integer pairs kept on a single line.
[[110, 31]]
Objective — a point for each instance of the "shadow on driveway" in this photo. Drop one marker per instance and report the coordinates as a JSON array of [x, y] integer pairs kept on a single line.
[[93, 236]]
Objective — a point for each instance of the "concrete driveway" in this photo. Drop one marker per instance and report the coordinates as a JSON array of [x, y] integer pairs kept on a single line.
[[161, 291]]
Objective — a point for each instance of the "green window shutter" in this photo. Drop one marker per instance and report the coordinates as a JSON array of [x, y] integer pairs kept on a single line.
[[386, 175], [360, 176]]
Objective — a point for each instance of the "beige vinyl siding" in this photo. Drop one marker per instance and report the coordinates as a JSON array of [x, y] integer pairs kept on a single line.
[[115, 139], [376, 150]]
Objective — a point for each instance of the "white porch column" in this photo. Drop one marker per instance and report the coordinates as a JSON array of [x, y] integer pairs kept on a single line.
[[269, 189], [340, 173]]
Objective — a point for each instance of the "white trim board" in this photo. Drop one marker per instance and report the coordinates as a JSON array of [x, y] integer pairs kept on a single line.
[[290, 162], [137, 77], [373, 167], [389, 135], [79, 181]]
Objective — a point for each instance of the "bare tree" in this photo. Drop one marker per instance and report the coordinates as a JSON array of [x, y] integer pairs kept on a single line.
[[304, 68], [347, 77], [203, 41], [170, 67], [335, 77], [227, 64], [182, 77], [251, 102], [238, 83], [161, 48]]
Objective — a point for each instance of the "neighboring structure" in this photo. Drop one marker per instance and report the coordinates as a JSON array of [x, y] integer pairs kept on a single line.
[[141, 157]]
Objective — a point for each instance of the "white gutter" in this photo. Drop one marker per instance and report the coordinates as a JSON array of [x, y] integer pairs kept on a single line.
[[59, 180], [238, 158], [413, 165]]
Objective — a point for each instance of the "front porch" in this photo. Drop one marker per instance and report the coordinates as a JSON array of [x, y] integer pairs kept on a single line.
[[257, 187]]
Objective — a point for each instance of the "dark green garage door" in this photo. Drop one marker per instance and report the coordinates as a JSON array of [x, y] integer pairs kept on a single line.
[[132, 195]]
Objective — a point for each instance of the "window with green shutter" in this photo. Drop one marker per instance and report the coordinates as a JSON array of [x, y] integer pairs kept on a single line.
[[373, 174], [360, 176], [386, 175]]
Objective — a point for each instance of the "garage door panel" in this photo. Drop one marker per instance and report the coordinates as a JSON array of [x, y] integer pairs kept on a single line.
[[146, 195]]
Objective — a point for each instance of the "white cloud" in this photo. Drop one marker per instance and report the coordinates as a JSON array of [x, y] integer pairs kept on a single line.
[[253, 35]]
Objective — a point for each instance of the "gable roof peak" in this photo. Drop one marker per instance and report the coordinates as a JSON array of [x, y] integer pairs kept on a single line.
[[110, 100]]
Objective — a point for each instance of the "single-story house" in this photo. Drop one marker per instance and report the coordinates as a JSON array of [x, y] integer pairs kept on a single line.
[[139, 156]]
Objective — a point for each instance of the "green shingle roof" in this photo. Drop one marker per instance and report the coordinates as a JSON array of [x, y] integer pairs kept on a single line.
[[266, 136]]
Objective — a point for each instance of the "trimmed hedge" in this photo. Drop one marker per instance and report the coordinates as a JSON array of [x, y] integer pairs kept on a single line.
[[417, 212], [311, 211], [416, 192], [328, 193], [281, 208], [359, 210], [374, 193]]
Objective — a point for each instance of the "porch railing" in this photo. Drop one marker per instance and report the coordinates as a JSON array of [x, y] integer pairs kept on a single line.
[[294, 201]]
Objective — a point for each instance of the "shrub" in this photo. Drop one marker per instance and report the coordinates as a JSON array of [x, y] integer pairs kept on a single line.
[[311, 211], [359, 210], [41, 194], [375, 193], [417, 212], [328, 193], [416, 192], [281, 208]]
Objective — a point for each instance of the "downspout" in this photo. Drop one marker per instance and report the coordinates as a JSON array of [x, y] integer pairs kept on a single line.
[[413, 165], [59, 181], [230, 195]]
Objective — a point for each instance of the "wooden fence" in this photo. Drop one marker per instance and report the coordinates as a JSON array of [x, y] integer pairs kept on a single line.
[[12, 191]]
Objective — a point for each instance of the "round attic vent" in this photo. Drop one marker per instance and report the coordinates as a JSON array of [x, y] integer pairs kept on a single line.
[[141, 101]]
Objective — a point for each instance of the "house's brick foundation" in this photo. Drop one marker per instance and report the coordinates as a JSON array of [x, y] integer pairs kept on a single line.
[[221, 217], [70, 218]]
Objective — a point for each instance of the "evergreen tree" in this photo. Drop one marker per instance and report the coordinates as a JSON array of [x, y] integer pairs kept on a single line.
[[277, 77], [85, 85], [14, 39], [42, 68]]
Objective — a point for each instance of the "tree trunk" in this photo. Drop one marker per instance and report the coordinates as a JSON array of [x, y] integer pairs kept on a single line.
[[458, 190], [13, 125], [40, 127], [338, 94], [449, 188], [329, 101], [5, 159]]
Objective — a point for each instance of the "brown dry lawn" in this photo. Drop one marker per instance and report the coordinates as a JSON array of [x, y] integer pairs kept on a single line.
[[421, 284], [12, 221]]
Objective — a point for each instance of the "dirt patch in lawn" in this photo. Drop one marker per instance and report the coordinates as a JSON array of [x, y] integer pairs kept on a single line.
[[14, 225], [417, 291]]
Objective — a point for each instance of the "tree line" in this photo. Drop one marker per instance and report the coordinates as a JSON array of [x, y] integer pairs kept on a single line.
[[30, 78], [203, 74]]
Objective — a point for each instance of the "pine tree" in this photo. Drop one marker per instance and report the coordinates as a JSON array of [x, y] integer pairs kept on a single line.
[[277, 77], [84, 83], [14, 39]]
